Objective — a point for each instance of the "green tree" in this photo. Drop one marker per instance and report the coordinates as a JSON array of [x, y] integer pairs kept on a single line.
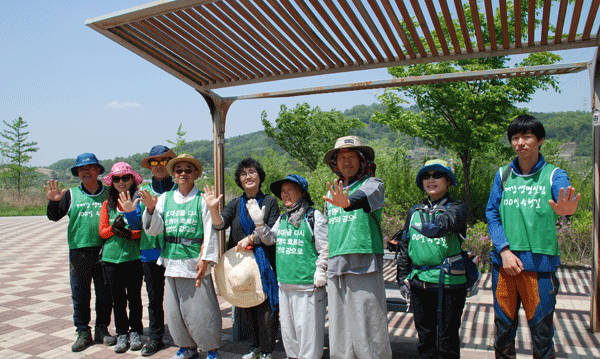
[[17, 150], [306, 134], [179, 141], [468, 118]]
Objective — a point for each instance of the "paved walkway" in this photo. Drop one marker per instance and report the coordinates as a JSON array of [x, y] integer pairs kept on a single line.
[[36, 309]]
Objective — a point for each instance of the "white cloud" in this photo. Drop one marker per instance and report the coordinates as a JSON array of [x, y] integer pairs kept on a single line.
[[120, 105]]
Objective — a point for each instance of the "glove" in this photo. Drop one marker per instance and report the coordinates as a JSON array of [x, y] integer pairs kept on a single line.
[[256, 213], [427, 228], [320, 278], [119, 222], [405, 291], [122, 232]]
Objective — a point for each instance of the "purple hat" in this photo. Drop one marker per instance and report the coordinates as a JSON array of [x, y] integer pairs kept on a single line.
[[121, 168]]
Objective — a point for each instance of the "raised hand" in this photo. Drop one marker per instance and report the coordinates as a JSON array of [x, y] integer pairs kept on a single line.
[[338, 198], [126, 203], [428, 227], [210, 197], [53, 193], [149, 200], [567, 204], [256, 213]]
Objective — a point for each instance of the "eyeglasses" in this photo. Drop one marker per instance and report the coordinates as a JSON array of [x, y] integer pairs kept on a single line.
[[117, 179], [435, 175], [187, 171], [162, 162], [248, 174]]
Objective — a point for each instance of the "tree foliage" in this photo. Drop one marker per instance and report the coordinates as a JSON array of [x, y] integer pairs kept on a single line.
[[17, 150], [179, 141], [468, 118], [307, 133]]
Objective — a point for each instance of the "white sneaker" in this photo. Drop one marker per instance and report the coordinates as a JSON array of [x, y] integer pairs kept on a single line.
[[254, 353], [186, 353]]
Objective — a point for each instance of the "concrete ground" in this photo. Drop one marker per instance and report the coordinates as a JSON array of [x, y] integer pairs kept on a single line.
[[36, 310]]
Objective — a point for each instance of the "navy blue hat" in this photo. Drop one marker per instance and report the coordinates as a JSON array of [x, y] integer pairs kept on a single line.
[[297, 179], [435, 165], [85, 159], [158, 151]]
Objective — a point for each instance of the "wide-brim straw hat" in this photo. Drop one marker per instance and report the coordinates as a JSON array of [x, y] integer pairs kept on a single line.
[[238, 279], [350, 142], [184, 157], [157, 152]]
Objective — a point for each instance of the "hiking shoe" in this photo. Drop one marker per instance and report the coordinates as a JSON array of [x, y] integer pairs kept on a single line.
[[84, 340], [102, 336], [122, 344], [212, 355], [152, 346], [186, 353], [267, 356], [253, 353], [135, 341]]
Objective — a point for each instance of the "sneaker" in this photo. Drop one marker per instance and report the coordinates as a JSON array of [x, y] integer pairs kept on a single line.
[[267, 356], [152, 346], [186, 353], [254, 353], [84, 340], [122, 344], [212, 355], [135, 341], [102, 336]]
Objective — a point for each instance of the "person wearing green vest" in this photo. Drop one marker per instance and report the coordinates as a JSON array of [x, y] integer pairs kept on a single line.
[[82, 205], [120, 229], [191, 248], [151, 246], [355, 285], [526, 199], [300, 236], [433, 232]]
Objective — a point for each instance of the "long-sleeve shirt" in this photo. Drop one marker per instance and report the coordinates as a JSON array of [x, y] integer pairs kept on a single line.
[[133, 219], [154, 225], [540, 262]]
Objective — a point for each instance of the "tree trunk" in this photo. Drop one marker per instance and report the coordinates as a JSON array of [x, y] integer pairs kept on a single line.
[[466, 163]]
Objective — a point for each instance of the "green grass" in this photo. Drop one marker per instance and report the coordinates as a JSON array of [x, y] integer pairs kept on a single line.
[[7, 210]]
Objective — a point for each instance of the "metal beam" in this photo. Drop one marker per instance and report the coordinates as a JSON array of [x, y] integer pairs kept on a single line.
[[595, 300]]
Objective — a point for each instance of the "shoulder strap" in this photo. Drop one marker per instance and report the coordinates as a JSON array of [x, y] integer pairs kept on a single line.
[[506, 174]]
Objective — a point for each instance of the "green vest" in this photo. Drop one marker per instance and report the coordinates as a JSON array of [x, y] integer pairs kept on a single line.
[[296, 253], [355, 231], [425, 251], [146, 241], [528, 220], [84, 219], [183, 221], [118, 249]]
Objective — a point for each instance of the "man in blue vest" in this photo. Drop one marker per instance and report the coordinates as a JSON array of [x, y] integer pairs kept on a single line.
[[526, 199]]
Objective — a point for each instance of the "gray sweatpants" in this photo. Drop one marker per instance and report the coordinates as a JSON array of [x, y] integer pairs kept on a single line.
[[358, 325], [302, 316], [193, 314]]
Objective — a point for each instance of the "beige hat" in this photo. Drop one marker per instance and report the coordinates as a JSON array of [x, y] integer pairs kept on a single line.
[[184, 157], [349, 142], [238, 279]]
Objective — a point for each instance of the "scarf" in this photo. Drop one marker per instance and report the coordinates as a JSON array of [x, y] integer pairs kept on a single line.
[[296, 212], [267, 275]]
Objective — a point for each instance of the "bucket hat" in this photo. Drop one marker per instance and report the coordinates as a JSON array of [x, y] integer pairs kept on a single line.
[[297, 179], [238, 279], [85, 159], [435, 165], [184, 157], [119, 169], [351, 142], [158, 151]]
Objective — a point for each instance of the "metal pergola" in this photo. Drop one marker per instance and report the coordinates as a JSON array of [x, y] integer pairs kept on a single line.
[[213, 44]]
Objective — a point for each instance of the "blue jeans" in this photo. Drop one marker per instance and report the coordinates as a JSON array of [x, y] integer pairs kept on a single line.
[[85, 267], [154, 276]]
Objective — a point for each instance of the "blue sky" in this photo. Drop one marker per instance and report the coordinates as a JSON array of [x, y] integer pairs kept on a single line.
[[81, 92]]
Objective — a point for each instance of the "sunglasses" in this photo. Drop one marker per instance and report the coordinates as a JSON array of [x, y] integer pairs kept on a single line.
[[187, 171], [435, 175], [117, 179], [158, 162]]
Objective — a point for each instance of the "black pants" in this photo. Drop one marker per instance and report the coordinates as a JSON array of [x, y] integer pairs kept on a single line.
[[154, 276], [424, 303], [125, 281], [264, 326]]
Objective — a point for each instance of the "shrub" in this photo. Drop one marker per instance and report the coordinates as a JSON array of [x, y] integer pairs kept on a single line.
[[575, 239], [479, 242]]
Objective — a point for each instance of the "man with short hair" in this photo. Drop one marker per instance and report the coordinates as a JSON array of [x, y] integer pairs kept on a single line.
[[526, 199], [355, 285], [151, 247], [82, 204]]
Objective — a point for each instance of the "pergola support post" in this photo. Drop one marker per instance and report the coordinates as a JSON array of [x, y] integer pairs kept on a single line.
[[595, 300]]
